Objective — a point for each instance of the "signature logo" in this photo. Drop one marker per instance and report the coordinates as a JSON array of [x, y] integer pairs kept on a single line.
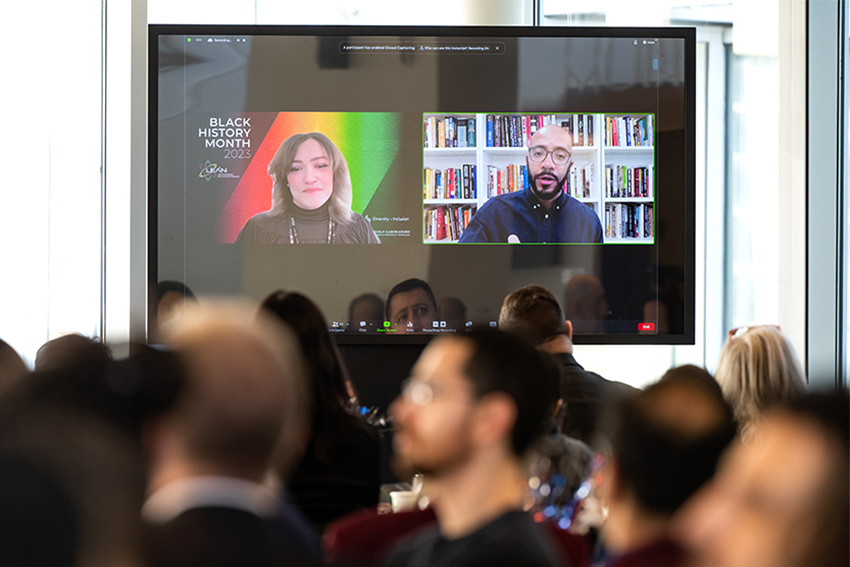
[[210, 170]]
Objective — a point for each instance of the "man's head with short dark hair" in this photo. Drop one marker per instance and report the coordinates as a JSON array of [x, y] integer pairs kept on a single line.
[[464, 384], [67, 351], [697, 375], [411, 306], [532, 313], [500, 363], [665, 441]]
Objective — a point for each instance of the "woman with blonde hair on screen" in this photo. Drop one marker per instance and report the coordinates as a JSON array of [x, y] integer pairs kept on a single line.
[[311, 198]]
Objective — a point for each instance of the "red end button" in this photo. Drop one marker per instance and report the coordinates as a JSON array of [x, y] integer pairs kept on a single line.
[[646, 326]]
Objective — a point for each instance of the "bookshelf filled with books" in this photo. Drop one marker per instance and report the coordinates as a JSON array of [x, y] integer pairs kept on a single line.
[[470, 158], [628, 186]]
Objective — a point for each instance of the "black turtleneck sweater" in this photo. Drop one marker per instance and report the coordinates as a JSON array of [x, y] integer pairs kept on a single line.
[[311, 226]]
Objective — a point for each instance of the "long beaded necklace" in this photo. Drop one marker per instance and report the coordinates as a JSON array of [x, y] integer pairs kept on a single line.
[[293, 234]]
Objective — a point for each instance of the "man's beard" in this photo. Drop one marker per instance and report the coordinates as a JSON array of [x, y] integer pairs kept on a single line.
[[550, 194]]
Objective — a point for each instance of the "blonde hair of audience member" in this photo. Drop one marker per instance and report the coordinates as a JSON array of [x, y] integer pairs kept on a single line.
[[244, 387], [757, 369]]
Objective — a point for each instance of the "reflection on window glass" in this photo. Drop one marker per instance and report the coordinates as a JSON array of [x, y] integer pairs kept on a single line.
[[751, 197]]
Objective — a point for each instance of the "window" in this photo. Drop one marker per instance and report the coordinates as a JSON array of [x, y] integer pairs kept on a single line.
[[50, 218]]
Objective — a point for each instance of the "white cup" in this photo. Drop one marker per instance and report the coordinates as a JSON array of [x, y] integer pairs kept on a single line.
[[403, 500]]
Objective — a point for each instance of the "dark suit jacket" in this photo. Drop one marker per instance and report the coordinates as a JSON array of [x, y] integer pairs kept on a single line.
[[585, 394], [223, 537]]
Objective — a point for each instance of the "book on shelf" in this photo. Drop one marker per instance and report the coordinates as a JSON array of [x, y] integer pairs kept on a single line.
[[461, 132], [579, 131], [514, 130], [491, 134], [623, 181], [647, 221], [580, 181], [450, 183], [449, 132], [626, 131], [446, 222], [628, 220], [580, 127], [509, 179]]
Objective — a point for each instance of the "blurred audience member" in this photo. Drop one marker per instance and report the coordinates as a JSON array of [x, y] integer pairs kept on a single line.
[[533, 313], [368, 308], [696, 374], [585, 304], [209, 503], [124, 393], [34, 508], [757, 368], [411, 306], [71, 458], [71, 489], [69, 350], [339, 472], [12, 367], [171, 298], [474, 404], [782, 500], [662, 444]]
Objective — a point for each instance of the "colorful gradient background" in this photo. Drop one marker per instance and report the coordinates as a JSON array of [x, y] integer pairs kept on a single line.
[[368, 140]]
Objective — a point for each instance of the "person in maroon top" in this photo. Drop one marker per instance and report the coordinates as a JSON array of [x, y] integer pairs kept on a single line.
[[660, 446]]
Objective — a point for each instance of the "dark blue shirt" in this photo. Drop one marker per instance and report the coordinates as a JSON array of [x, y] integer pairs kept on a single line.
[[523, 215]]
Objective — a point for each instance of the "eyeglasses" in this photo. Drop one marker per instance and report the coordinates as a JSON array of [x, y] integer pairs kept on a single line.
[[417, 392], [421, 393], [560, 156], [738, 331]]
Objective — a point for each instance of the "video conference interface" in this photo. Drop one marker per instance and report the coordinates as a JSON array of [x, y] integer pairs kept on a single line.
[[472, 165]]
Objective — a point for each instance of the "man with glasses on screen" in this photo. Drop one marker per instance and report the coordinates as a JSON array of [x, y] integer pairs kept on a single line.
[[542, 212]]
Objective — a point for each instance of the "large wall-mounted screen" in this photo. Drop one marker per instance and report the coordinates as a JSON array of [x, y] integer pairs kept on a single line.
[[342, 162]]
